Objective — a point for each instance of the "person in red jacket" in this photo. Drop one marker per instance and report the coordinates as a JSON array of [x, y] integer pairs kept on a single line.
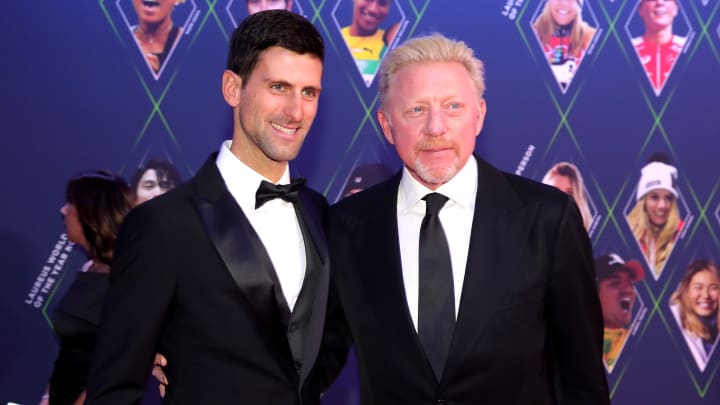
[[658, 48]]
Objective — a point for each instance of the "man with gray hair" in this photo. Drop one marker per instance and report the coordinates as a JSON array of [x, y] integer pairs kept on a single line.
[[462, 284]]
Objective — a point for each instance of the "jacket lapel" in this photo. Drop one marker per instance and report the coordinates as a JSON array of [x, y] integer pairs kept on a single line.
[[382, 275], [312, 302], [242, 252], [485, 284]]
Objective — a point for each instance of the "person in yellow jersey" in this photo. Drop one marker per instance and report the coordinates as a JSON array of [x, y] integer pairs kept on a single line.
[[366, 40], [615, 281]]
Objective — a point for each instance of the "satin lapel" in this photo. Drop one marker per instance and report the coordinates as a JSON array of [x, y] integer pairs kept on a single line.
[[241, 250], [381, 273], [485, 285], [311, 214]]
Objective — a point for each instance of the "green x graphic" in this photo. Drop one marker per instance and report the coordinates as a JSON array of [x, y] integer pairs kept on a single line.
[[610, 208], [525, 39], [211, 12], [563, 120], [701, 390], [612, 21], [657, 117], [112, 23], [617, 381], [704, 24], [156, 109], [702, 213], [317, 19], [657, 300]]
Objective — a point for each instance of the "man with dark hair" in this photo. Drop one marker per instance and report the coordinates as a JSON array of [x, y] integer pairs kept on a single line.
[[227, 274], [153, 178]]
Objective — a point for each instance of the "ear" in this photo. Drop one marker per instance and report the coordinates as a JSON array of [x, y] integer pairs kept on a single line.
[[384, 121], [482, 108], [231, 87]]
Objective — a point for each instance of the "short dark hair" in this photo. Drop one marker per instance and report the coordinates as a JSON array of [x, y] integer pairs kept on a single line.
[[269, 28], [165, 171], [102, 200]]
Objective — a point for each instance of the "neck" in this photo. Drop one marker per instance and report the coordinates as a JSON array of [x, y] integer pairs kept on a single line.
[[661, 36], [356, 31], [152, 33], [655, 230], [258, 161]]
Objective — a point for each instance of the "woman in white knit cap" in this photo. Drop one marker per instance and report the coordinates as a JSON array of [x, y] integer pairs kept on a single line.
[[655, 219]]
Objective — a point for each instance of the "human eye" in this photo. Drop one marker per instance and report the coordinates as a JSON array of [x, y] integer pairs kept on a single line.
[[310, 92], [278, 86], [415, 110], [454, 107]]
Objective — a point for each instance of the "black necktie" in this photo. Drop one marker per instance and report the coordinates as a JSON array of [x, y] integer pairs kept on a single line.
[[269, 191], [436, 319]]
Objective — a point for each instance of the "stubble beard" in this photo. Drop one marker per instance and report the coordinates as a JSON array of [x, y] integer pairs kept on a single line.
[[436, 175]]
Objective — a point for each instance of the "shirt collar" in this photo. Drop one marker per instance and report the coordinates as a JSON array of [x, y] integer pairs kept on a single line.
[[461, 189], [240, 179]]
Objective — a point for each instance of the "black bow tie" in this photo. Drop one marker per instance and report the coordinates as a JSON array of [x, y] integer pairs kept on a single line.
[[269, 191]]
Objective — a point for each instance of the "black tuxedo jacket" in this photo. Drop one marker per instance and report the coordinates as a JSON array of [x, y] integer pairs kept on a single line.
[[529, 327], [192, 280]]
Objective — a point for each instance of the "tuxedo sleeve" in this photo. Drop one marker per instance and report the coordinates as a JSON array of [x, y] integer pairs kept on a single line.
[[336, 338], [335, 344], [140, 294], [575, 323]]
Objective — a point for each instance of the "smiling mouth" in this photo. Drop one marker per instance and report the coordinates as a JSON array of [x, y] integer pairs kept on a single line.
[[707, 305], [284, 130], [150, 3]]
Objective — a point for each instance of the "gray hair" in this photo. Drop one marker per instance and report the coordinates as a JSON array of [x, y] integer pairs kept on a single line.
[[427, 49]]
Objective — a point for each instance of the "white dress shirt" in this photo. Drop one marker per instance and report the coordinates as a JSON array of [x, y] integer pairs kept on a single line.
[[456, 217], [275, 222]]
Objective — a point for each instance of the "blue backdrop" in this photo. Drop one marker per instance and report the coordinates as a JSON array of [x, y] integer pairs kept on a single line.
[[78, 94]]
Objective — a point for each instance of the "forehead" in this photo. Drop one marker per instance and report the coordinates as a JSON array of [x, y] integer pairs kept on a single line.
[[378, 2], [704, 276], [432, 80], [660, 192], [618, 275], [149, 174], [277, 63]]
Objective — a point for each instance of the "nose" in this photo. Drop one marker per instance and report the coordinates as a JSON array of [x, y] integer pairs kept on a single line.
[[436, 123], [63, 209], [294, 108], [372, 7]]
